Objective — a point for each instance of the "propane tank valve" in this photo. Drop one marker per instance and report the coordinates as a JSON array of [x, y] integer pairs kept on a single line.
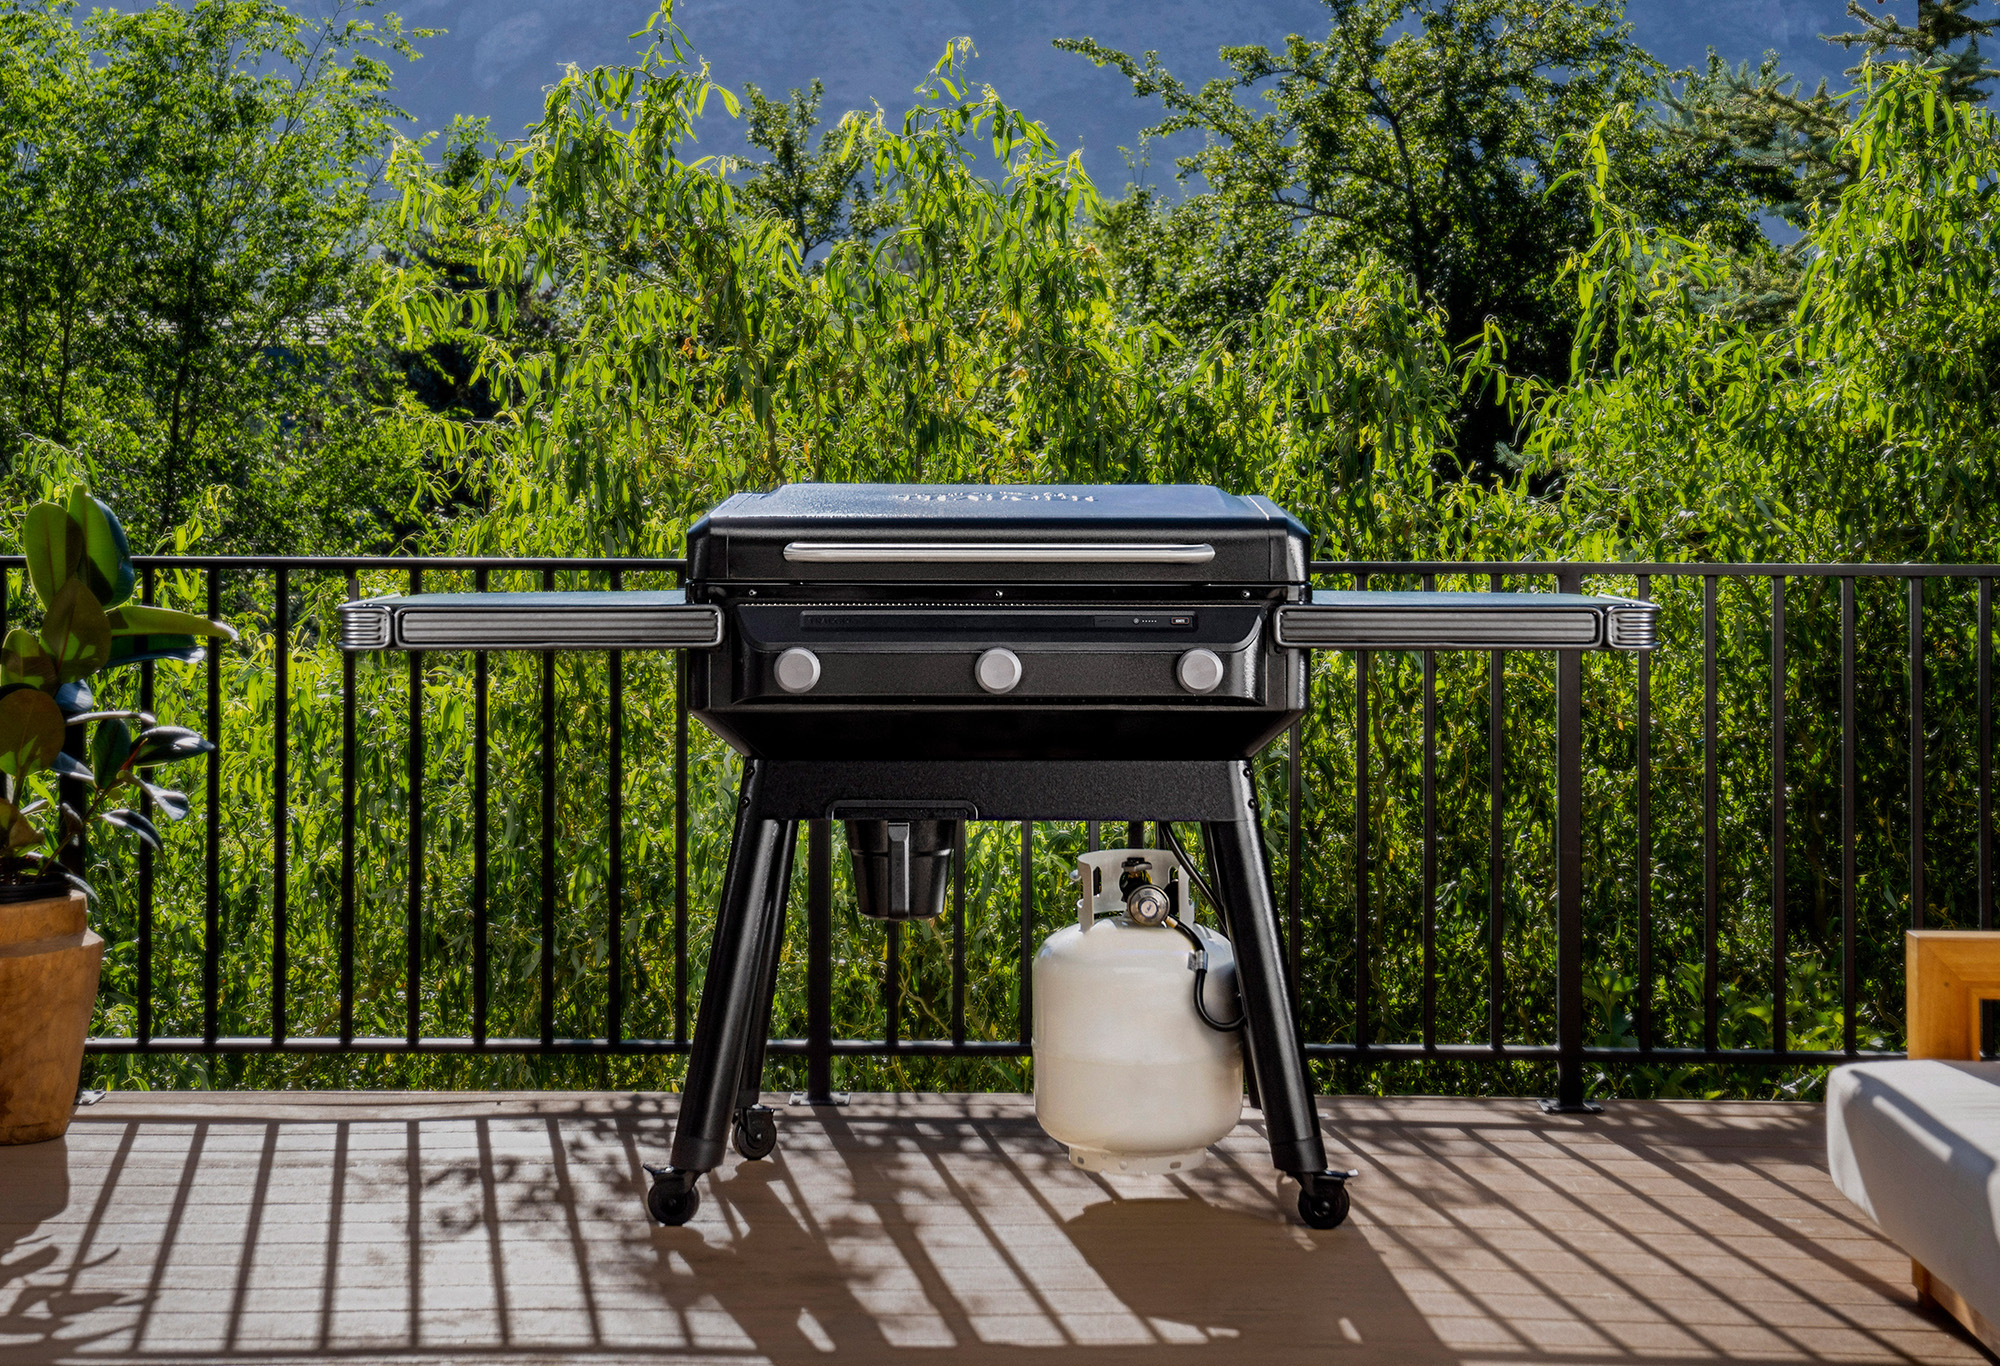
[[1148, 906]]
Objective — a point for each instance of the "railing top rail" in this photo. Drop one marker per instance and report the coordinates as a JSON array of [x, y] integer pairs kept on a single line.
[[342, 563], [1673, 569], [661, 564]]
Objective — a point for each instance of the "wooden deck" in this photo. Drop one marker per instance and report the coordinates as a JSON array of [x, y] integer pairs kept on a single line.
[[270, 1227]]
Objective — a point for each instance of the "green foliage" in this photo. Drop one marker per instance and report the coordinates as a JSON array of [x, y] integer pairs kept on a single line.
[[1790, 150], [57, 752], [1430, 133], [185, 206], [812, 193], [1861, 427]]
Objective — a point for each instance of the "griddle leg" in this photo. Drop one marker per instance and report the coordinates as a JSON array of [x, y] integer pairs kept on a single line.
[[1278, 1070], [730, 998], [756, 1128]]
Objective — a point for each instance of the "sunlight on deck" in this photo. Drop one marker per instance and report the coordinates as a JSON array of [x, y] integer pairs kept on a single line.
[[254, 1227]]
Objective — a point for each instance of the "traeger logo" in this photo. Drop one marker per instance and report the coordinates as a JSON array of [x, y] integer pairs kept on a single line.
[[996, 496]]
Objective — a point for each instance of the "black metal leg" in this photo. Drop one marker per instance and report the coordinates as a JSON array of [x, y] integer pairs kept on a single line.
[[734, 988], [750, 1084], [1278, 1074], [1270, 1025]]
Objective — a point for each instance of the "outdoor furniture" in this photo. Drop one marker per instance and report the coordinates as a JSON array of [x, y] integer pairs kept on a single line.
[[1916, 1144]]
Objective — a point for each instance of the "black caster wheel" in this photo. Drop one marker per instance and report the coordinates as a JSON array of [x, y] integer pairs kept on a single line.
[[756, 1133], [1323, 1211], [672, 1207]]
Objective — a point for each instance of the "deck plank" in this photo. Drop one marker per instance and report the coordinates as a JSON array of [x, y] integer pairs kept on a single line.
[[255, 1227]]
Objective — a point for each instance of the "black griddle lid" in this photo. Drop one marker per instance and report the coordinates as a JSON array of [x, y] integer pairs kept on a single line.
[[999, 533]]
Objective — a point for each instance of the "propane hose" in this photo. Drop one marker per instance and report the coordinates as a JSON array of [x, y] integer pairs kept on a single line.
[[1198, 960], [1174, 843]]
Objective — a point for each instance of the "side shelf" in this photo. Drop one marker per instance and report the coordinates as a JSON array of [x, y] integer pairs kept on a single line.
[[637, 620], [1467, 621]]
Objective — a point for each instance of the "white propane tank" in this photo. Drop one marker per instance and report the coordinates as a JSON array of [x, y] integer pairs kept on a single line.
[[1126, 1073]]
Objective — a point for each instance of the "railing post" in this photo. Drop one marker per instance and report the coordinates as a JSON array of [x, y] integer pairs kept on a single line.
[[1569, 876]]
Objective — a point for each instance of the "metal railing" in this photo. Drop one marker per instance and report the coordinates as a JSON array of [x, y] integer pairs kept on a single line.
[[1569, 1050]]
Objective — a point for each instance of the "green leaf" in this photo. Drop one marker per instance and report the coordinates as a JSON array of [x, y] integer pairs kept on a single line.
[[69, 766], [166, 745], [31, 732], [75, 632], [135, 619], [23, 660], [20, 832], [132, 823], [171, 804], [140, 649], [110, 747], [55, 549], [107, 556]]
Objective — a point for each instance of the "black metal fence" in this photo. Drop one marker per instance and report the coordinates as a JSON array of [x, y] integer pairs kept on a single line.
[[1568, 1049]]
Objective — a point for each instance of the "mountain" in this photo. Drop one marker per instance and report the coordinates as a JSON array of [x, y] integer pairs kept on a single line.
[[499, 55]]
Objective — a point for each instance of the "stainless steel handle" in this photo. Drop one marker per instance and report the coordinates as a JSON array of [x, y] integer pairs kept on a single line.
[[994, 552], [899, 868]]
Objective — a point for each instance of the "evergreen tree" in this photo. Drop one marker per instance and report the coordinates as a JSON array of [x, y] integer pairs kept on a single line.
[[1786, 146]]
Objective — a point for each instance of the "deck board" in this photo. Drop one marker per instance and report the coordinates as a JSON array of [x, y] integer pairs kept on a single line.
[[276, 1227]]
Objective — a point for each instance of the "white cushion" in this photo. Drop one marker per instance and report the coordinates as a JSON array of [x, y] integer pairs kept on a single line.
[[1917, 1146]]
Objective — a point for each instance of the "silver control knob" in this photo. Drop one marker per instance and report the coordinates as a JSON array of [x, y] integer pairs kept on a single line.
[[797, 670], [998, 670], [1199, 671]]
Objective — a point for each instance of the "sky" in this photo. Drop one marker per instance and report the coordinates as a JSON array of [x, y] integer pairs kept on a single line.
[[499, 55]]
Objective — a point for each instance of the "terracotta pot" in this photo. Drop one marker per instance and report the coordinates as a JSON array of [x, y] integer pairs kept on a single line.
[[48, 983]]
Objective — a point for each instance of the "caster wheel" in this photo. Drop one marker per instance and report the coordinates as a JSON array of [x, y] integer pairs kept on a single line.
[[1323, 1211], [672, 1207], [756, 1133]]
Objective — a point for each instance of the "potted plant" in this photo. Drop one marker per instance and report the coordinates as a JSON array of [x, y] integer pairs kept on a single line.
[[65, 768]]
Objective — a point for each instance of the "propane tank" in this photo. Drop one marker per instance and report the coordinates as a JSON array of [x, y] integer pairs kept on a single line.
[[1127, 1073]]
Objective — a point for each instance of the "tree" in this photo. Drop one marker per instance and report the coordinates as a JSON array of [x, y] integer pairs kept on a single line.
[[187, 203], [808, 191], [1431, 133], [1791, 148]]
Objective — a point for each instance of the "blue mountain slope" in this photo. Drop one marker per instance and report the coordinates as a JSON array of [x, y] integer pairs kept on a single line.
[[500, 54]]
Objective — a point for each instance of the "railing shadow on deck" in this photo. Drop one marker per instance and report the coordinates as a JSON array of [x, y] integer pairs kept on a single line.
[[464, 1228]]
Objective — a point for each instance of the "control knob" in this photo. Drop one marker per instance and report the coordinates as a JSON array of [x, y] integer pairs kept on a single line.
[[1199, 671], [998, 670], [797, 670]]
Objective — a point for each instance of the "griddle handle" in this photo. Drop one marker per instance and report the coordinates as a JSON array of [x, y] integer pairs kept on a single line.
[[899, 867]]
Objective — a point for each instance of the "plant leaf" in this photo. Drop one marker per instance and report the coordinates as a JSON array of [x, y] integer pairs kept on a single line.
[[69, 766], [31, 732], [132, 823], [106, 562], [20, 832], [144, 718], [23, 660], [165, 745], [75, 632], [55, 548], [171, 804], [110, 747], [137, 619], [140, 649], [76, 698]]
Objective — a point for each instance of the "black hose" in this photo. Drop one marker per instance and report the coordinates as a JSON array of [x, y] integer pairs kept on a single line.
[[1201, 950], [1174, 843], [1201, 977]]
